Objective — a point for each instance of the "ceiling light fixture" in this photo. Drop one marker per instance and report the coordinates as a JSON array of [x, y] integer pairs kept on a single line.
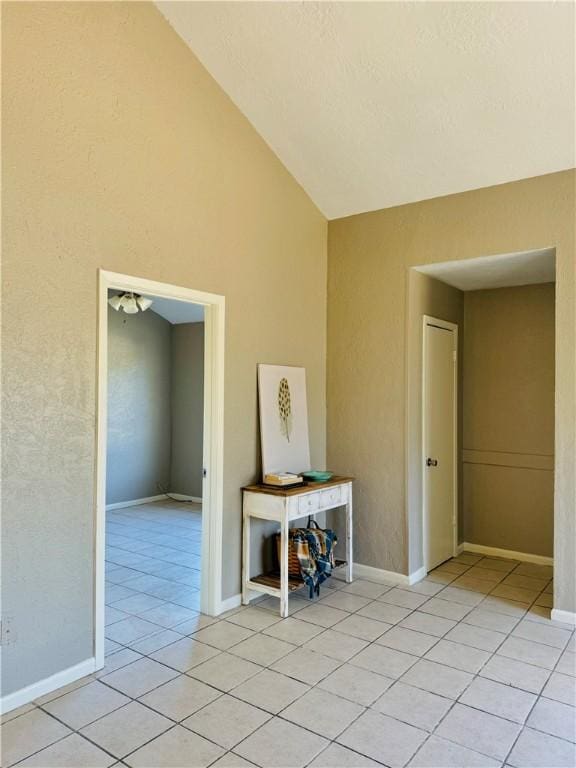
[[130, 302]]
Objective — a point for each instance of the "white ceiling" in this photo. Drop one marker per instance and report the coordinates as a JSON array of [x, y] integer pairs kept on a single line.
[[375, 104], [502, 271], [177, 312]]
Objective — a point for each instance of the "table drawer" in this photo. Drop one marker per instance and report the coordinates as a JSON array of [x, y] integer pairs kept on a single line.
[[309, 503], [331, 497]]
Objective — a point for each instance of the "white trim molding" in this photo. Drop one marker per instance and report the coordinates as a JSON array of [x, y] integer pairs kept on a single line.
[[47, 685], [387, 577], [229, 603], [135, 502], [566, 617], [184, 497], [213, 455], [416, 576], [524, 557]]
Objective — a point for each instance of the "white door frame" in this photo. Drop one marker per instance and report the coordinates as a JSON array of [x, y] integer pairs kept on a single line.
[[429, 320], [213, 454]]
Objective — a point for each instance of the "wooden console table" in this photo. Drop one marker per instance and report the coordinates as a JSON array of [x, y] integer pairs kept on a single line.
[[285, 505]]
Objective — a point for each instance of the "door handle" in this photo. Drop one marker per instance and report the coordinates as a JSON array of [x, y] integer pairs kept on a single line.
[[431, 462]]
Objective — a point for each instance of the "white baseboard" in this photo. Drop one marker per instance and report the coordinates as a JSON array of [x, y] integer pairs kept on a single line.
[[136, 502], [47, 685], [566, 617], [229, 603], [387, 577], [417, 576], [524, 557]]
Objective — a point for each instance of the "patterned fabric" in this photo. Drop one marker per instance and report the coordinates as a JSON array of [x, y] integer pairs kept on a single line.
[[314, 548]]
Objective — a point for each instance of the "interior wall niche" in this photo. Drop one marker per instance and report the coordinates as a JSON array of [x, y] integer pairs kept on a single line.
[[508, 428]]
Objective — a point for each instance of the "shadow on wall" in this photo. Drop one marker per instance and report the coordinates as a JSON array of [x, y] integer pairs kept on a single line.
[[155, 407]]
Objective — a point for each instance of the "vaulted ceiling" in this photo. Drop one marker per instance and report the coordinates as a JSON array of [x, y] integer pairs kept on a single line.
[[375, 104]]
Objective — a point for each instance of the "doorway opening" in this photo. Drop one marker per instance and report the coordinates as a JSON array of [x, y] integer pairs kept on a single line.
[[159, 459], [486, 460]]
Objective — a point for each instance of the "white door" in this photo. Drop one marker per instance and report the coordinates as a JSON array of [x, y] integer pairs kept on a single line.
[[439, 440]]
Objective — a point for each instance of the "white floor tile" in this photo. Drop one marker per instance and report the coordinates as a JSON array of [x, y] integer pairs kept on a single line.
[[223, 635], [293, 631], [71, 752], [413, 705], [437, 678], [322, 712], [458, 656], [499, 699], [337, 755], [262, 649], [561, 688], [225, 671], [185, 654], [479, 731], [336, 645], [279, 744], [516, 673], [539, 750], [29, 733], [86, 704], [383, 739], [140, 677], [226, 721], [439, 753], [407, 640], [126, 729], [174, 749], [356, 684], [554, 718], [180, 697], [271, 691], [384, 661]]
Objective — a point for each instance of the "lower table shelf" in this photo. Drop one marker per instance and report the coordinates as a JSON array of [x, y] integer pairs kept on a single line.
[[270, 582]]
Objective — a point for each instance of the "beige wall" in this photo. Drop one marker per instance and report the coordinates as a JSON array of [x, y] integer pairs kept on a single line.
[[508, 437], [120, 151], [426, 296], [368, 395], [139, 407], [187, 454]]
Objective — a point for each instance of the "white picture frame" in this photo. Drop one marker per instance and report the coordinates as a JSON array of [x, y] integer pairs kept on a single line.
[[283, 419]]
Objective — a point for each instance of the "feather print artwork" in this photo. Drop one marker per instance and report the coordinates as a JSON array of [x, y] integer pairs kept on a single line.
[[285, 408]]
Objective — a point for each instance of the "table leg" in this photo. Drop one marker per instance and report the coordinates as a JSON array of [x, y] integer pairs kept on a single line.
[[284, 568], [349, 548], [245, 558]]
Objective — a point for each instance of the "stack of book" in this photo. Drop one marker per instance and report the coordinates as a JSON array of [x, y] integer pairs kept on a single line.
[[283, 479]]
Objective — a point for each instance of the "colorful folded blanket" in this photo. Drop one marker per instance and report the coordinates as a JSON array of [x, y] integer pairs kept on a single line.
[[314, 548]]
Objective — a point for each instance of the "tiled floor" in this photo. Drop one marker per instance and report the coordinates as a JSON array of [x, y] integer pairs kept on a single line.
[[463, 669]]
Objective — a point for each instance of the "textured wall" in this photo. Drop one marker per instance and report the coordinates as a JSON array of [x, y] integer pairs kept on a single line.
[[119, 151], [187, 408], [508, 436], [139, 408], [426, 296], [369, 257]]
